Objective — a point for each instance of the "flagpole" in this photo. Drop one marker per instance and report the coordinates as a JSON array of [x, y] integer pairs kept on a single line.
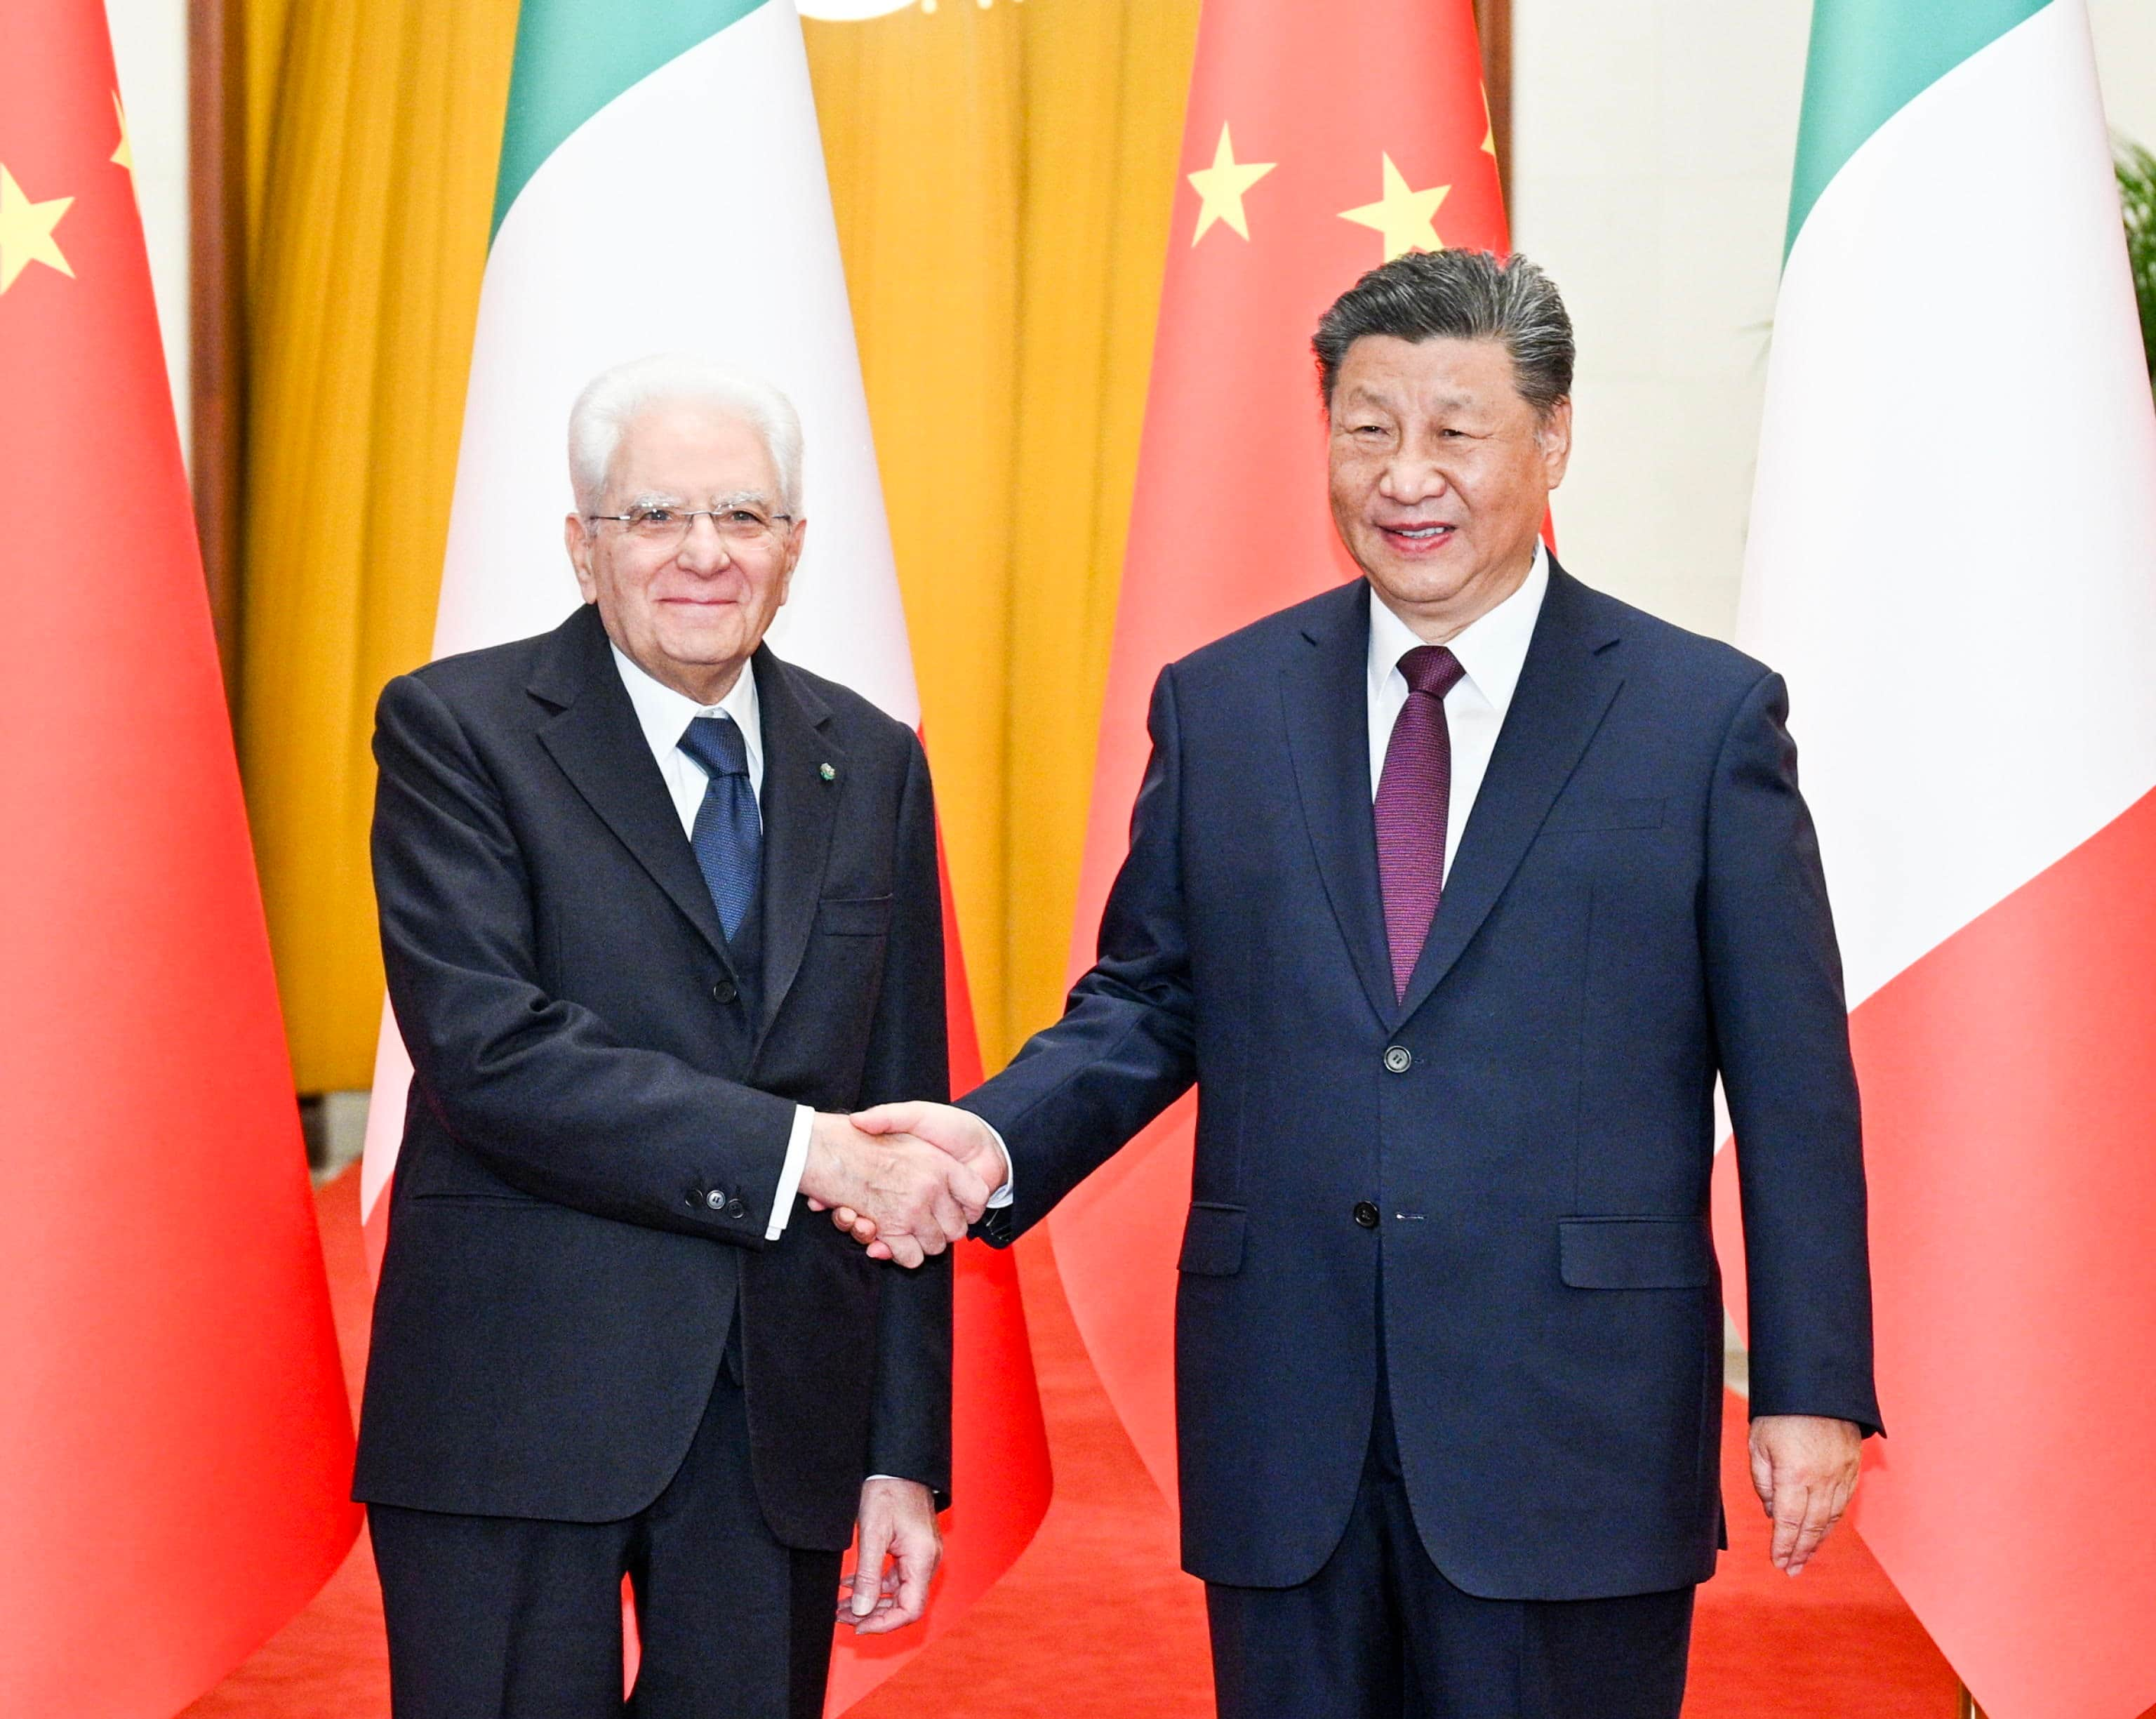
[[1967, 1708]]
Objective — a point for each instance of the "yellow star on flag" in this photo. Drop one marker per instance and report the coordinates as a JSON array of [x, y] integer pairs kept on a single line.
[[1222, 186], [26, 231], [124, 155], [1405, 217]]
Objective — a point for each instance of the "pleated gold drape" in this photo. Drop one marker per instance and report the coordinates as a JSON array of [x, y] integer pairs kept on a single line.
[[372, 127], [1002, 175]]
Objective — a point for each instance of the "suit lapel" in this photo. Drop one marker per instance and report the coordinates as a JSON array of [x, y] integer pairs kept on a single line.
[[595, 737], [1326, 711], [800, 813], [1566, 686]]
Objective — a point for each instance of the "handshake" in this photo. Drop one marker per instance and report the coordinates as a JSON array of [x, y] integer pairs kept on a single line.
[[908, 1179]]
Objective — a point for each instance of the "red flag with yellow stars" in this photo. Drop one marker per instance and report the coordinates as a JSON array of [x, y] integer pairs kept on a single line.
[[175, 1440], [1323, 138]]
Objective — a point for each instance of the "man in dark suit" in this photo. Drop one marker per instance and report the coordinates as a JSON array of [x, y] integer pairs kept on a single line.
[[1453, 890], [656, 907]]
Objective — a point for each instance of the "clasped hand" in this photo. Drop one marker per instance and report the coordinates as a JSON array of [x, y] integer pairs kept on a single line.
[[913, 1199], [961, 1138]]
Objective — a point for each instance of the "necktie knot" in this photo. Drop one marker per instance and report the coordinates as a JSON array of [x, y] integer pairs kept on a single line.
[[716, 742], [1432, 669]]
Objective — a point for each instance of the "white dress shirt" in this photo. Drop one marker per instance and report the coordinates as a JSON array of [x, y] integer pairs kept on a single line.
[[1492, 649], [664, 716]]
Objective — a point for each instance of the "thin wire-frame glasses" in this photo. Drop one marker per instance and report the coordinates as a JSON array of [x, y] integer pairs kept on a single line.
[[663, 526]]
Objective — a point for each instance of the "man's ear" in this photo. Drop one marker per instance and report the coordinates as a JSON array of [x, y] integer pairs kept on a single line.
[[796, 535], [576, 538], [1554, 435]]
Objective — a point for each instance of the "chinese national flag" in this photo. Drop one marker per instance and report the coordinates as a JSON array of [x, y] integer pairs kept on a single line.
[[174, 1445], [1324, 138]]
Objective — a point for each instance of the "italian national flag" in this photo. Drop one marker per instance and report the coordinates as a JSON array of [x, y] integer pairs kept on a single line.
[[662, 188], [1953, 559]]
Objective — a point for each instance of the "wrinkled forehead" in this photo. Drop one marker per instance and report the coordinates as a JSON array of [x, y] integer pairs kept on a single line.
[[689, 449], [1443, 374]]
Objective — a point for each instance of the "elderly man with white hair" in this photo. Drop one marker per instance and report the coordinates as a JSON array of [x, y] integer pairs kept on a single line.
[[658, 910]]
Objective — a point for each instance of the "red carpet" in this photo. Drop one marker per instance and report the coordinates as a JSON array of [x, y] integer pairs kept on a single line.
[[1095, 1620]]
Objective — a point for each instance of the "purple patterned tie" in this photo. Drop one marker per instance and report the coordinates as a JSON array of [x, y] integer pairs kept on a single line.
[[1414, 792]]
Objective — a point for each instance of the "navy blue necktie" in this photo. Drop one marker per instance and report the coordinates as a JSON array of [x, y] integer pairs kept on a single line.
[[728, 836]]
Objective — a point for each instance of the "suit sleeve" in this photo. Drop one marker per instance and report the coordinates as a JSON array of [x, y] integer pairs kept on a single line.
[[1782, 1031], [537, 1087], [1125, 1049], [909, 1058]]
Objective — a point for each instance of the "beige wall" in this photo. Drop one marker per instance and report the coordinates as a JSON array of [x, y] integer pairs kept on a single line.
[[1652, 145], [150, 46], [2126, 61]]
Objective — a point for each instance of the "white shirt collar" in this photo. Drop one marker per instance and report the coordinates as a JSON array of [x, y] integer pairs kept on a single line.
[[665, 715], [1492, 648]]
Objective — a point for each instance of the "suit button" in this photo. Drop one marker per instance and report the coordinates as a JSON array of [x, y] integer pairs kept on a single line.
[[735, 1208], [716, 1200], [725, 991], [1366, 1214], [695, 1196], [1398, 1059]]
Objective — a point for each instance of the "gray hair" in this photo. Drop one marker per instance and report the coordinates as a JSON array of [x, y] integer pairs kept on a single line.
[[615, 398], [1473, 295]]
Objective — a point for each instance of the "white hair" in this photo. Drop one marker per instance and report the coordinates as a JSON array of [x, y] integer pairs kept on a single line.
[[615, 398]]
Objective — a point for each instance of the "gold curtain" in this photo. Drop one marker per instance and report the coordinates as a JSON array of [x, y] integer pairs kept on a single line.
[[1002, 175], [372, 127]]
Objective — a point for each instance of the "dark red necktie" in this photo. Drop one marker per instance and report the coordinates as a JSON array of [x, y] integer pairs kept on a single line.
[[1414, 792]]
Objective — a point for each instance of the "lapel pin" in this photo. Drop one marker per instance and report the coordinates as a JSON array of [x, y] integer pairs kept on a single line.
[[827, 773]]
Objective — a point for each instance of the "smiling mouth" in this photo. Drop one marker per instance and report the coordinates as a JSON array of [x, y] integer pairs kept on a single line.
[[1436, 531]]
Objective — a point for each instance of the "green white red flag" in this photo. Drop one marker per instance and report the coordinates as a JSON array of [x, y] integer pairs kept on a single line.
[[1952, 557], [1323, 138], [175, 1439]]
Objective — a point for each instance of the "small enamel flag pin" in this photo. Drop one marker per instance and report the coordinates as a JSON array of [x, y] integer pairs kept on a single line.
[[827, 773]]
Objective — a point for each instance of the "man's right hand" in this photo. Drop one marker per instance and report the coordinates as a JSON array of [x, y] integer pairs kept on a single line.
[[969, 1141], [919, 1199]]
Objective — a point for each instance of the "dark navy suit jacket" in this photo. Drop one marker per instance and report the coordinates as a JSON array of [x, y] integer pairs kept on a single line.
[[594, 1066], [1636, 905]]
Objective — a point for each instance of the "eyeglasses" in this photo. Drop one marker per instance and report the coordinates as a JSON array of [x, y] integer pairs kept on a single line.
[[739, 524]]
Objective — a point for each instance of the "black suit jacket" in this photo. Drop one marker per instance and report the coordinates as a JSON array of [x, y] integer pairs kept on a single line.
[[1636, 905], [597, 1123]]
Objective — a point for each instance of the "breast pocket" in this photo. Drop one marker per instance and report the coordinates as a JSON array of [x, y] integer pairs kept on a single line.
[[853, 916], [1604, 814]]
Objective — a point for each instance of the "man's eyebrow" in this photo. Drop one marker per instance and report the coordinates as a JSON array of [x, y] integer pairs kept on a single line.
[[667, 498], [1362, 394]]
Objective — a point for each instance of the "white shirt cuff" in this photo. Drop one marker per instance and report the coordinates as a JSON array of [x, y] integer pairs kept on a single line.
[[789, 1178], [1003, 1196]]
